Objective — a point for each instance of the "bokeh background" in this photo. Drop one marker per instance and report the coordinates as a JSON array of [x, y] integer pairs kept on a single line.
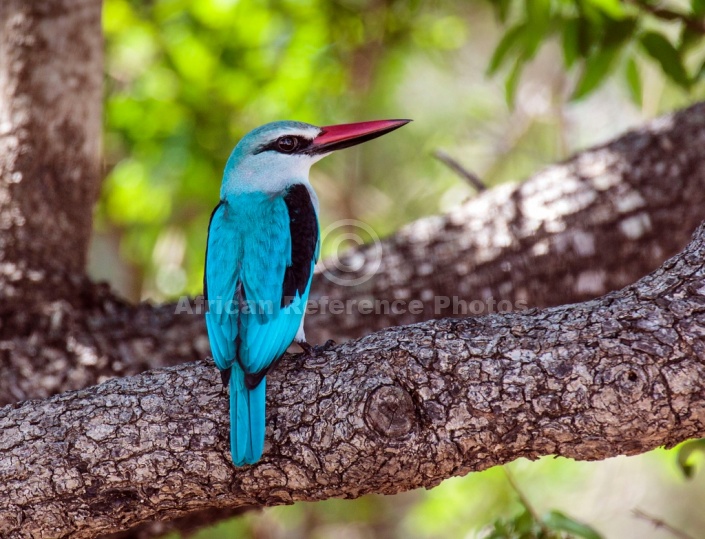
[[505, 87]]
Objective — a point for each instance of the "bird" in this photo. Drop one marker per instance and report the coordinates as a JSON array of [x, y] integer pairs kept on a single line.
[[263, 243]]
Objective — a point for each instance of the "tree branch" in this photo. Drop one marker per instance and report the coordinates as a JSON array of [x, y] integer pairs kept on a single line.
[[461, 171], [660, 523], [574, 231], [402, 408]]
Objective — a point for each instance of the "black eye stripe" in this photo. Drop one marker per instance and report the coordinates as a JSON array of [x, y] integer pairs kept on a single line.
[[301, 143]]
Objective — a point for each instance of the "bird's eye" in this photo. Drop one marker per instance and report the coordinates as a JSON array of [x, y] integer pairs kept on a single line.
[[287, 144]]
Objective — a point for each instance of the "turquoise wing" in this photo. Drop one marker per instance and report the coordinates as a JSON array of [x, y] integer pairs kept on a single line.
[[259, 265]]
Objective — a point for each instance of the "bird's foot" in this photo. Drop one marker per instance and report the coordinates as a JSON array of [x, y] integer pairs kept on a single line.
[[317, 349]]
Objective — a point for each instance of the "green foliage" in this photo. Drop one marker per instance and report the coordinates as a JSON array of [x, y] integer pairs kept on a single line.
[[554, 525], [633, 78], [171, 65], [527, 524], [186, 79], [668, 57], [596, 35], [555, 521], [524, 526]]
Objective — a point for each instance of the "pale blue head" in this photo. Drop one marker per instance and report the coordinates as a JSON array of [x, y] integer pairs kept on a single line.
[[276, 155]]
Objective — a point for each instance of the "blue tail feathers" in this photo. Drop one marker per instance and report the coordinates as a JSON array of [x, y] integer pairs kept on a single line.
[[247, 415]]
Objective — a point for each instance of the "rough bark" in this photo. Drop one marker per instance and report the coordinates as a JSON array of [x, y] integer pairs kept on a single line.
[[51, 70], [402, 408], [572, 232]]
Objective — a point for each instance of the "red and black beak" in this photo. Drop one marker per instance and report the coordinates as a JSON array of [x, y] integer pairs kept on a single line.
[[337, 137]]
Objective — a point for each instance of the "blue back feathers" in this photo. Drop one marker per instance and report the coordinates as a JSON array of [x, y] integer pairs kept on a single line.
[[262, 247]]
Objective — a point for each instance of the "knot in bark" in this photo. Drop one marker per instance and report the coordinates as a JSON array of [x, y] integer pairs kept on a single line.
[[390, 411]]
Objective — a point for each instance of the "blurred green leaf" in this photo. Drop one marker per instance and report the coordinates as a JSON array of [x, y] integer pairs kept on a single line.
[[448, 33], [697, 7], [133, 198], [690, 39], [511, 40], [538, 12], [613, 8], [523, 526], [618, 32], [558, 521], [571, 41], [512, 82], [554, 525], [588, 36], [685, 453], [590, 11], [596, 69], [502, 8], [524, 523], [538, 22], [661, 50], [633, 78]]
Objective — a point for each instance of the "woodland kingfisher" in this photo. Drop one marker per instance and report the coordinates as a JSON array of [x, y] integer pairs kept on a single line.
[[263, 243]]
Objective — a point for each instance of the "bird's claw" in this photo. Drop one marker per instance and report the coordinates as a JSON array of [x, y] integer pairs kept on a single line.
[[330, 343], [317, 349]]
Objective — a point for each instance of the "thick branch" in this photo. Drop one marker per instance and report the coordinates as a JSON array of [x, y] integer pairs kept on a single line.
[[572, 232], [399, 409]]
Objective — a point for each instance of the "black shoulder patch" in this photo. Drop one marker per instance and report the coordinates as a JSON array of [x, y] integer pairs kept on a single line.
[[303, 227], [205, 264]]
